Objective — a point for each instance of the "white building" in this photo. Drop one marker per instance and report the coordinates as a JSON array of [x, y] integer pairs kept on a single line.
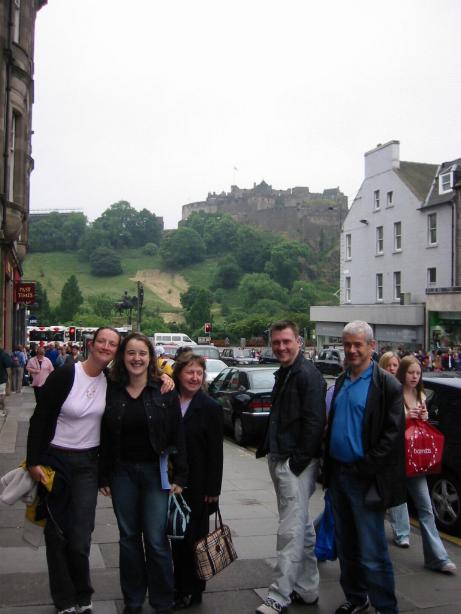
[[395, 244]]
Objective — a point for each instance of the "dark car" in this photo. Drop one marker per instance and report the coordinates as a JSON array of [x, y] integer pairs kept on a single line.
[[444, 407], [267, 356], [245, 396], [239, 356], [330, 362]]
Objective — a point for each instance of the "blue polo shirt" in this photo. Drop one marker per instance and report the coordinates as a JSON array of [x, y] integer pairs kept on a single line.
[[346, 443]]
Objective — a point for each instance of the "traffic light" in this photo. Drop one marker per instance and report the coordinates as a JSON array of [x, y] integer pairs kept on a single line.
[[207, 327], [72, 333]]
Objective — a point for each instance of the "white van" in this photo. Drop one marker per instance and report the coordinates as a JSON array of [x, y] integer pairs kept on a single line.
[[178, 339]]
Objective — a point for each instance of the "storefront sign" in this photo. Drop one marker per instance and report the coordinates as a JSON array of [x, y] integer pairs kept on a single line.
[[25, 292]]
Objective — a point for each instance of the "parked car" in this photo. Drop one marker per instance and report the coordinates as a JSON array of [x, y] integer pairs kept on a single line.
[[245, 396], [267, 356], [330, 362], [213, 369], [444, 407], [239, 356], [209, 351]]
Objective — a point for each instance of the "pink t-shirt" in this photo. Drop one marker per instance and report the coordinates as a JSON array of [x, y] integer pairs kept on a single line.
[[79, 421], [43, 368]]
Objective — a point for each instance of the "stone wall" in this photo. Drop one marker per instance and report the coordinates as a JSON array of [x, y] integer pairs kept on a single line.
[[313, 218]]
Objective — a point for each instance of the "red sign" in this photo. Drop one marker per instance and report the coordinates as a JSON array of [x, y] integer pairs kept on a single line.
[[25, 292]]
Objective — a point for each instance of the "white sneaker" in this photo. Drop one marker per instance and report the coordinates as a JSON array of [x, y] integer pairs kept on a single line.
[[270, 606], [403, 542], [71, 610], [448, 568], [84, 609]]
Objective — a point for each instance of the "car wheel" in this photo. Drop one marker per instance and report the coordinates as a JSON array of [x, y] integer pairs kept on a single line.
[[239, 431], [445, 490]]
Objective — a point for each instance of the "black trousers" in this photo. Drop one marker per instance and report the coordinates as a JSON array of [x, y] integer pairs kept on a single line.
[[68, 556]]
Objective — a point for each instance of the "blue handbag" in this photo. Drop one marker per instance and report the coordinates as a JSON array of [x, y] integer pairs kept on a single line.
[[325, 543]]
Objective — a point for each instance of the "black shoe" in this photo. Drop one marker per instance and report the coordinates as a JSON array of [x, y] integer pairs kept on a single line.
[[298, 600], [351, 608], [128, 609], [182, 602]]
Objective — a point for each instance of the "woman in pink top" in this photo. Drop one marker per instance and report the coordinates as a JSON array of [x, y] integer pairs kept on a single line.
[[39, 367]]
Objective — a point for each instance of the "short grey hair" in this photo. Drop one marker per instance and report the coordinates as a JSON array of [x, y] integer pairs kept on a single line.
[[358, 327]]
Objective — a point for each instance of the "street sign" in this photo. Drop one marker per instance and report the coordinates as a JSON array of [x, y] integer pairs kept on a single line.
[[33, 320]]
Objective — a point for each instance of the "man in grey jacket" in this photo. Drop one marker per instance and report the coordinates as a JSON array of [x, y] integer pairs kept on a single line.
[[293, 446]]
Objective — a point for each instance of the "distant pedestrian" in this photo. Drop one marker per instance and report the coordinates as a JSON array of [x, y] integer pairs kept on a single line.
[[292, 443], [39, 367], [19, 359], [5, 363]]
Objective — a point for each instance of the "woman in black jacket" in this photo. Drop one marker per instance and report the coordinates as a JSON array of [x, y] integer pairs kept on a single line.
[[203, 425], [139, 426]]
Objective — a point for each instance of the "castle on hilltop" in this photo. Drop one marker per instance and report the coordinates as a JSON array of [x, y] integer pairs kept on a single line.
[[297, 213]]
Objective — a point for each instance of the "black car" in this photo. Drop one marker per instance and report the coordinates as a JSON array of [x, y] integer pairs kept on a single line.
[[245, 396], [330, 362], [267, 356], [444, 407], [239, 356]]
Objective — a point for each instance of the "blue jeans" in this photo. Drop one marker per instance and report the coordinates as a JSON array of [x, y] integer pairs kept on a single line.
[[435, 555], [366, 568], [400, 521], [141, 508]]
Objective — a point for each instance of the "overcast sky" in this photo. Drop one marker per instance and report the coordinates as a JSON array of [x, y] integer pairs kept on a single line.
[[155, 102]]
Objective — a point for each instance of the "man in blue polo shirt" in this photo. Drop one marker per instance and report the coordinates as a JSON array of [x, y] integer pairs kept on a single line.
[[365, 472]]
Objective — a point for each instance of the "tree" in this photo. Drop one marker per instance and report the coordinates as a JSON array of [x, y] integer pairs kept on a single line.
[[197, 304], [92, 239], [150, 249], [42, 308], [127, 227], [182, 247], [56, 231], [255, 286], [71, 300], [252, 249], [227, 274], [105, 262], [285, 262], [102, 305], [72, 230]]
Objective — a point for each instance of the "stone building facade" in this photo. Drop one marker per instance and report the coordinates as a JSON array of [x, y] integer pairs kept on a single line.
[[17, 30], [297, 213]]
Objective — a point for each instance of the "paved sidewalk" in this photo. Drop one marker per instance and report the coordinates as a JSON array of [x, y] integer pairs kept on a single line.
[[248, 506]]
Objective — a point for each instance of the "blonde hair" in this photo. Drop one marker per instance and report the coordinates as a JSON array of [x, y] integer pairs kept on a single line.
[[386, 357]]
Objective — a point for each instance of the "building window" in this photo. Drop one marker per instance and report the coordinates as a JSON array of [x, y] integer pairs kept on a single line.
[[376, 199], [432, 229], [398, 236], [347, 290], [379, 240], [379, 286], [15, 119], [445, 183], [16, 20], [348, 247], [397, 285], [431, 276], [389, 199]]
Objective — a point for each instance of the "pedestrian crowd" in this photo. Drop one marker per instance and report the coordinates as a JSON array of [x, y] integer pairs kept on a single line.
[[126, 422]]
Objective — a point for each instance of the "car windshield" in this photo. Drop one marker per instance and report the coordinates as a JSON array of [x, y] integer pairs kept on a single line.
[[261, 379], [210, 352], [244, 353], [215, 366]]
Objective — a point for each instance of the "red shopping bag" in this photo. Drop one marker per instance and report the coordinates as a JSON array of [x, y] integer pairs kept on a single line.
[[423, 448]]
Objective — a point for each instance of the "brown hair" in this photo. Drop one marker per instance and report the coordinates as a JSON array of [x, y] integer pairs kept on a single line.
[[405, 364], [185, 359], [118, 372], [282, 324]]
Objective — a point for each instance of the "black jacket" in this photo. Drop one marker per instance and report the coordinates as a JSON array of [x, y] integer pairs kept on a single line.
[[5, 363], [43, 422], [164, 420], [382, 437], [298, 407], [203, 426]]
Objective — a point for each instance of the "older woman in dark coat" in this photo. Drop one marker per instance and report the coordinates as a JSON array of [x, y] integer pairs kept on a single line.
[[203, 426]]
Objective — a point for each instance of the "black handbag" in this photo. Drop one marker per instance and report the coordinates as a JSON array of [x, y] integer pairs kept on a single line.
[[178, 517]]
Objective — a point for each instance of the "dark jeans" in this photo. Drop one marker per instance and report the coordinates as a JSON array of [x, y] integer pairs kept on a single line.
[[141, 508], [68, 557], [366, 568]]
